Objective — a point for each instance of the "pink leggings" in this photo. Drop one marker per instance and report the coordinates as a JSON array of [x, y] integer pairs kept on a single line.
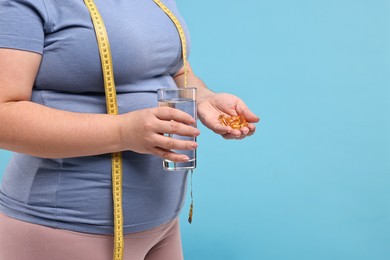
[[25, 241]]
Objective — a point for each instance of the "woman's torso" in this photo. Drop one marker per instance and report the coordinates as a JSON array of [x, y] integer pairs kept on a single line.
[[75, 193]]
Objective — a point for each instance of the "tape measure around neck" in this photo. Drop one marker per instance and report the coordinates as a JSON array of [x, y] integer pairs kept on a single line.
[[112, 108]]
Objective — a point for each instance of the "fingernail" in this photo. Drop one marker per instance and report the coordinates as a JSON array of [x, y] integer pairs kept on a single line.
[[185, 158], [197, 132], [194, 145]]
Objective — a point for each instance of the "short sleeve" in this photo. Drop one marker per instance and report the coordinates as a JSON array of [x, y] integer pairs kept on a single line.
[[22, 24]]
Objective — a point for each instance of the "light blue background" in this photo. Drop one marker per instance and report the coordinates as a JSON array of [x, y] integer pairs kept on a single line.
[[313, 183]]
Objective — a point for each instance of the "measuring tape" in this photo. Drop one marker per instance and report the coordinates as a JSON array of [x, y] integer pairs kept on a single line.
[[112, 109]]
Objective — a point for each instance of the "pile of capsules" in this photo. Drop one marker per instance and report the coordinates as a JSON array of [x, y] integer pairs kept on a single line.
[[235, 122]]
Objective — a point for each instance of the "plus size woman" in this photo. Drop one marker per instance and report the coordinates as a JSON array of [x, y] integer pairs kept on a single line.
[[55, 195]]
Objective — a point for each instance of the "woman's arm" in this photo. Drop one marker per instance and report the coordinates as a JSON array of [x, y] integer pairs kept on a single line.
[[38, 130], [193, 81]]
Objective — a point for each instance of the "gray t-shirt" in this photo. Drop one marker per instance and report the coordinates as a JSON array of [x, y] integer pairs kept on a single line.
[[75, 193]]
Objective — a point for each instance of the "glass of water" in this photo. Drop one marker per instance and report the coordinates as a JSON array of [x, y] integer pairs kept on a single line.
[[183, 99]]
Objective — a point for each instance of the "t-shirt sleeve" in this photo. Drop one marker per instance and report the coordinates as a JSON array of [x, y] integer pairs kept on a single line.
[[22, 24]]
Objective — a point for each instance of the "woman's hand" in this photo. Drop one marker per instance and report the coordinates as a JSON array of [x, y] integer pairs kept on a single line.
[[213, 105], [142, 131]]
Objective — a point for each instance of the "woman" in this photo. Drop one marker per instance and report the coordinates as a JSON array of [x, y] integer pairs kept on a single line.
[[55, 197]]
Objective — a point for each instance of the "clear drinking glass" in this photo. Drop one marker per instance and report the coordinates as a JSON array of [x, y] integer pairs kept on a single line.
[[183, 99]]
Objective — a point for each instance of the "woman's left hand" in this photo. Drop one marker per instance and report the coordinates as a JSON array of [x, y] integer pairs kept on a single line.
[[212, 106]]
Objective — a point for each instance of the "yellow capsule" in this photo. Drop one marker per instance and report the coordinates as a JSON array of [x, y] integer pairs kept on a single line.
[[223, 119], [243, 120]]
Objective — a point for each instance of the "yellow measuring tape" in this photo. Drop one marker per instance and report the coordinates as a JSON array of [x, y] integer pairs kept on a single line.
[[112, 108]]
